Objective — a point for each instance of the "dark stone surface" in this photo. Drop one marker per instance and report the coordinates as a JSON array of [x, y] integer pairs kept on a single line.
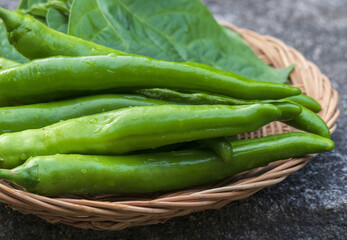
[[311, 203]]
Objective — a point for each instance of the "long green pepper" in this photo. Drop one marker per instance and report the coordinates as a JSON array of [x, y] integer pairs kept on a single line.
[[131, 129], [305, 120], [307, 102], [55, 43], [310, 122], [146, 173], [58, 77], [24, 32], [7, 63], [39, 115], [19, 118], [194, 97]]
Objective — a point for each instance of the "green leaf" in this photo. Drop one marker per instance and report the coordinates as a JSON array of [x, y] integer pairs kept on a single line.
[[180, 30], [39, 10], [34, 2], [57, 20], [24, 4], [6, 49], [36, 8], [60, 5]]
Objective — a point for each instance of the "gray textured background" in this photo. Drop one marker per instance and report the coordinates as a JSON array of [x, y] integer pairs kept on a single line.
[[311, 203]]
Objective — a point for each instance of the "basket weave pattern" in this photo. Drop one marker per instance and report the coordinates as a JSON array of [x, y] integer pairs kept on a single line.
[[116, 212]]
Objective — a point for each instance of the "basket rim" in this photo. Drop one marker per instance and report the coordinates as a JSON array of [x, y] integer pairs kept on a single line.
[[116, 212]]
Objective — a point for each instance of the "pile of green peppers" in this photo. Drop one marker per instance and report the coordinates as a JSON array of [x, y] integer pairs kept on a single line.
[[81, 118]]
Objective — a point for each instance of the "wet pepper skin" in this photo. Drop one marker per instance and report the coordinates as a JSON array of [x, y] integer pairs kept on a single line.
[[307, 102], [137, 128], [7, 63], [59, 77], [24, 32], [134, 70], [146, 173], [311, 122], [19, 118], [302, 119]]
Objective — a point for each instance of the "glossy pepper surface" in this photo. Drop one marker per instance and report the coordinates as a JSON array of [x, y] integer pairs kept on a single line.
[[18, 118], [130, 129], [7, 63], [23, 40], [307, 102], [310, 122], [220, 146], [70, 76], [289, 109], [195, 98], [25, 31], [300, 118], [145, 173]]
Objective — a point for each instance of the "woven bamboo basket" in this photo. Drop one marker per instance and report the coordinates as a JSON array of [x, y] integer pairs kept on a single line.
[[116, 212]]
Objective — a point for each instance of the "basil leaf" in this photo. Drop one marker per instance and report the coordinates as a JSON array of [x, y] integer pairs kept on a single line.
[[180, 30], [57, 20], [6, 49]]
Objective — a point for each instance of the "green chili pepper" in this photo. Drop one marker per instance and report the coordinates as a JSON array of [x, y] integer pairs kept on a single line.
[[145, 173], [195, 98], [289, 110], [62, 44], [310, 122], [70, 76], [307, 102], [130, 129], [7, 63], [34, 116], [24, 32], [303, 119], [43, 114]]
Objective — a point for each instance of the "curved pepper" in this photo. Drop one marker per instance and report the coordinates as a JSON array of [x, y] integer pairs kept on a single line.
[[60, 77], [131, 129], [307, 102], [289, 109], [145, 173], [302, 119], [310, 122], [195, 98], [24, 32]]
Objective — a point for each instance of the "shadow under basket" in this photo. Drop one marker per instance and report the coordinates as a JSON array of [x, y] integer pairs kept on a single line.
[[116, 212]]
